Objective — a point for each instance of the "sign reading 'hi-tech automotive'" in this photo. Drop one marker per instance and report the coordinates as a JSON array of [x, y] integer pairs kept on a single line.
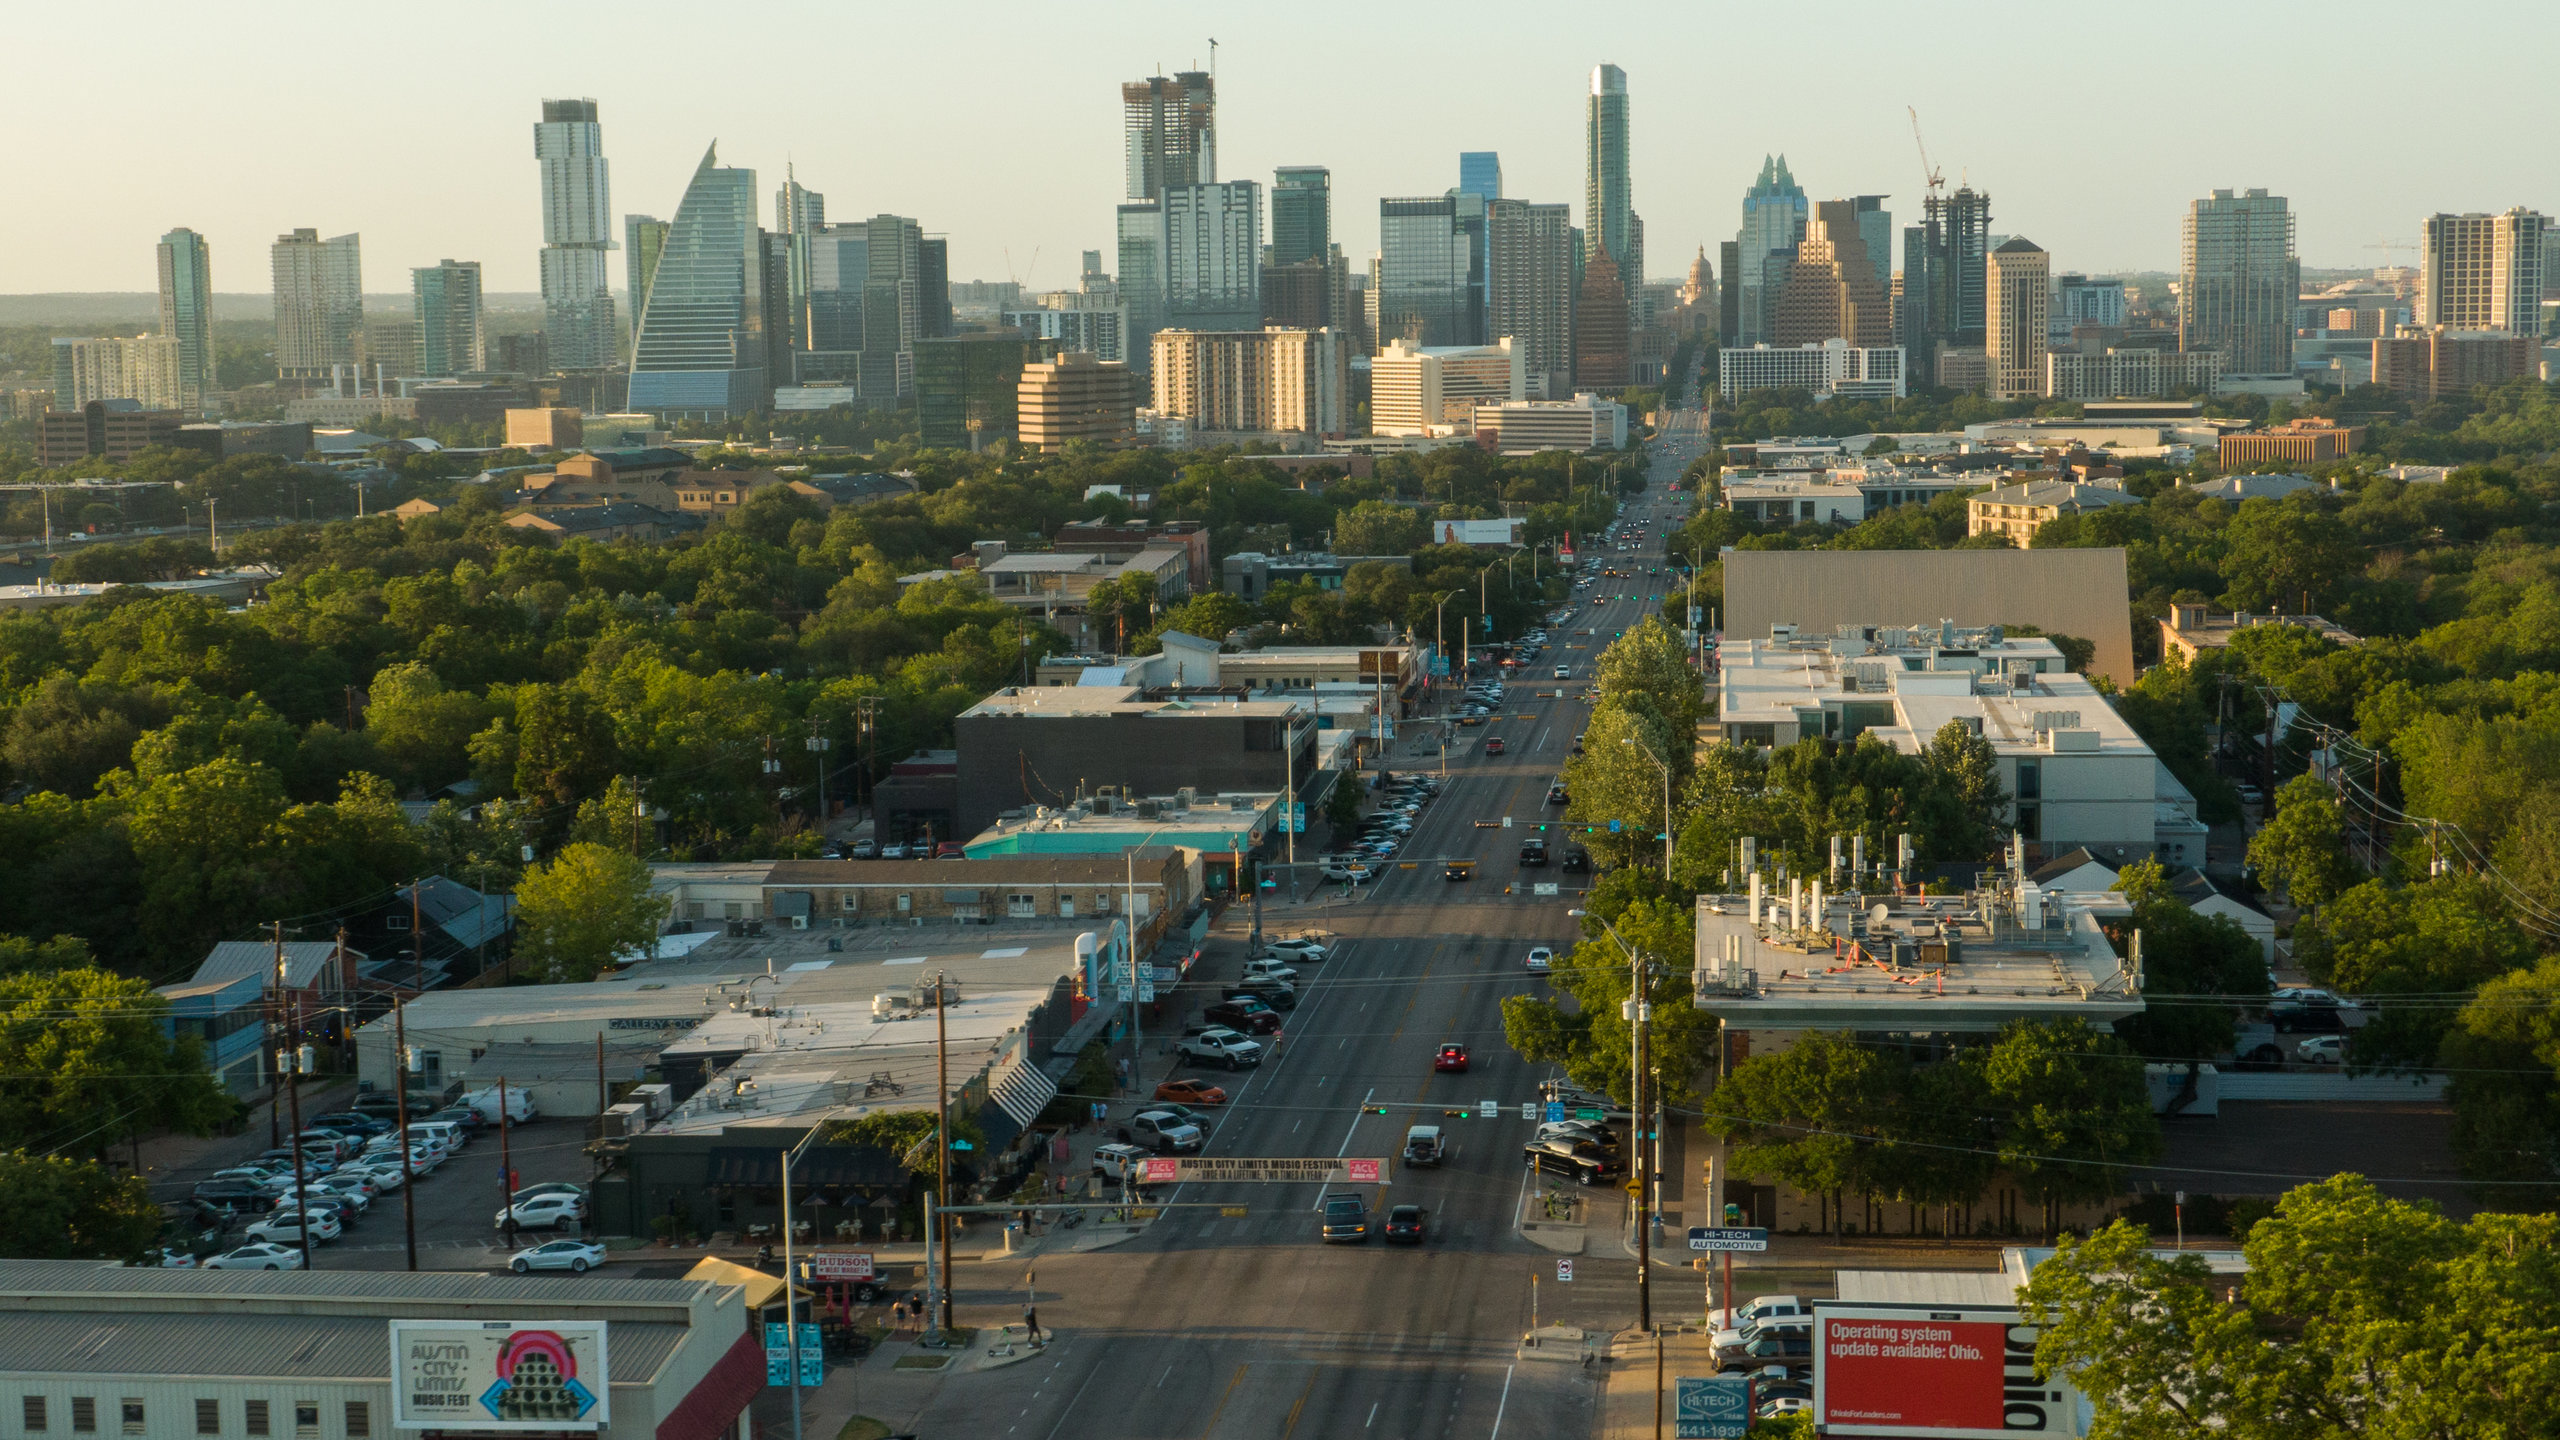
[[1944, 1372]]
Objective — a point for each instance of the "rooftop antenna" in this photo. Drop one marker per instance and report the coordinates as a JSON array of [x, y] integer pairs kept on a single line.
[[1213, 62]]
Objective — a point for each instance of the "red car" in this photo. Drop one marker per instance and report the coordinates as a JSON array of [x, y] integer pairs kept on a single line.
[[1191, 1092], [1493, 746], [1450, 1058]]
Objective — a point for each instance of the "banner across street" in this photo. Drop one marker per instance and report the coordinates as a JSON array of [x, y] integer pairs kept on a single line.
[[1176, 1170]]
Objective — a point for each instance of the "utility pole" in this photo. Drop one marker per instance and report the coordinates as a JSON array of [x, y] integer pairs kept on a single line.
[[1640, 1015], [400, 1110], [293, 1093], [941, 1239], [275, 1031], [819, 745], [506, 1170]]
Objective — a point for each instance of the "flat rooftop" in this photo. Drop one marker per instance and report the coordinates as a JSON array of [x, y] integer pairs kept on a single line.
[[1056, 701], [1919, 964], [1227, 821], [1903, 683]]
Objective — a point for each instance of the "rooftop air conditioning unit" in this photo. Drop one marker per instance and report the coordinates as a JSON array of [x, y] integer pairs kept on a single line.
[[1185, 797], [1146, 809]]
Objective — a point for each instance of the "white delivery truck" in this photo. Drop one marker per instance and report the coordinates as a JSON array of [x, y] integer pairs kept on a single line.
[[519, 1104]]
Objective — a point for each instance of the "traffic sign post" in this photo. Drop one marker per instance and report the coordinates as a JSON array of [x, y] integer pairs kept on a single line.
[[1555, 1112], [1564, 1270]]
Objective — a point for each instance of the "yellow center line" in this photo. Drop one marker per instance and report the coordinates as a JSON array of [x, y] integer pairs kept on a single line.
[[1223, 1397], [1292, 1427]]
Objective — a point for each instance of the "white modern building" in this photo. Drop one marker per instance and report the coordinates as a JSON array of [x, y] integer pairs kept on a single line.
[[1418, 390], [1213, 255], [2130, 374], [1833, 368], [149, 370], [2078, 774], [319, 295], [2482, 272], [1524, 427], [577, 237], [1799, 498]]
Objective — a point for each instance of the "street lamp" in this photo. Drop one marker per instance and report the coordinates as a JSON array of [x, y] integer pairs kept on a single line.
[[1665, 768], [1638, 1010]]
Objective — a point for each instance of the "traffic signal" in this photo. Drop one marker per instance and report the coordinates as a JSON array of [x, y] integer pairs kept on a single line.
[[1377, 1109]]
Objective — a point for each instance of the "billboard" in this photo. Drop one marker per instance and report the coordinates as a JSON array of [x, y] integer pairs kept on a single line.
[[499, 1375], [1946, 1372], [1477, 532]]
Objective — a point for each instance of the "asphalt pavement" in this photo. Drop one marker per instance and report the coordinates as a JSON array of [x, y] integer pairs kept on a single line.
[[1229, 1318]]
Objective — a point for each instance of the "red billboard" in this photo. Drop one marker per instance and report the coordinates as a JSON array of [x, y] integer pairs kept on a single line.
[[1946, 1372]]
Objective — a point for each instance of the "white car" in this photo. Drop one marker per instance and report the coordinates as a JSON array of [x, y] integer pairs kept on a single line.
[[550, 1211], [385, 1175], [575, 1256], [257, 1257], [1353, 872], [1268, 969], [1541, 960], [1777, 1306], [2322, 1050], [284, 1227], [1285, 948]]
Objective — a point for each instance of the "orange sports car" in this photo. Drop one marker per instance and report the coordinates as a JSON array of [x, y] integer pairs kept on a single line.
[[1191, 1092]]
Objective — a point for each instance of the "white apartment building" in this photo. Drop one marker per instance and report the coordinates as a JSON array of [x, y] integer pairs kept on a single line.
[[2078, 774], [147, 369], [1276, 380], [1833, 368], [2129, 374], [2482, 272], [1427, 389]]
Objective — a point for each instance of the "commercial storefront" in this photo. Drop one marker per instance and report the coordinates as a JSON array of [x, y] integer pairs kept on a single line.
[[91, 1349]]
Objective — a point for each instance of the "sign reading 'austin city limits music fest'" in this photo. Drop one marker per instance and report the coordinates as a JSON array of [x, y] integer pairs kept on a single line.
[[1173, 1171], [1947, 1372], [498, 1375]]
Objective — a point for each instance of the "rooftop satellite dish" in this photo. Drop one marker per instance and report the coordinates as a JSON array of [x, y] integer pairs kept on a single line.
[[1879, 915]]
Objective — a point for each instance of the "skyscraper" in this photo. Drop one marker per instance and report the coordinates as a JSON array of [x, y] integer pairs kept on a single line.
[[933, 287], [2482, 272], [186, 310], [319, 290], [1601, 358], [798, 213], [1172, 132], [1755, 274], [1875, 231], [446, 298], [1431, 270], [1529, 289], [2238, 279], [893, 308], [1480, 174], [1831, 290], [2017, 287], [1301, 213], [701, 348], [644, 238], [839, 259], [577, 234], [1608, 201], [1139, 228], [1213, 255]]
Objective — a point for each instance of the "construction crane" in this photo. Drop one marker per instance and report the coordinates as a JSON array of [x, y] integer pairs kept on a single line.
[[2389, 248], [1936, 177]]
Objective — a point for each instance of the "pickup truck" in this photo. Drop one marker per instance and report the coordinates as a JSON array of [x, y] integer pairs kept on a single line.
[[1250, 1016], [1163, 1132], [1221, 1047]]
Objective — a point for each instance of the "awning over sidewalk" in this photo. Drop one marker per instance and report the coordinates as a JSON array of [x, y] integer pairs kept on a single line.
[[713, 1407], [762, 1289]]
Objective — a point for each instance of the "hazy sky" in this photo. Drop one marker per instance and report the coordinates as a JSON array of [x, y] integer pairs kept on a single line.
[[998, 124]]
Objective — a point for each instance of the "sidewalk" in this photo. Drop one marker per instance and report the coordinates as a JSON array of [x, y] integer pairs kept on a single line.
[[1627, 1391]]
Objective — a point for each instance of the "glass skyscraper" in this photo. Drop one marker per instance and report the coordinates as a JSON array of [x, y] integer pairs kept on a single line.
[[1480, 174], [1608, 203], [447, 301], [1773, 219], [186, 310], [1432, 270], [1213, 250], [701, 348], [577, 236], [1301, 213], [2239, 280]]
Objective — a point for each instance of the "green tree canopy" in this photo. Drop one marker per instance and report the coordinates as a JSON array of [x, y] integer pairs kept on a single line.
[[55, 1208], [89, 1064], [583, 907]]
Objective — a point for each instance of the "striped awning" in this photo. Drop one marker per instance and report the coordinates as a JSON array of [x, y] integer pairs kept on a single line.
[[1022, 1091]]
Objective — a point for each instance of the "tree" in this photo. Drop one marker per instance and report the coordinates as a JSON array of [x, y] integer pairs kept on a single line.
[[585, 906], [89, 1064], [20, 954], [907, 1134], [1818, 1115], [2073, 1111], [2442, 936], [53, 1208], [421, 726], [2183, 953], [2359, 1316], [1376, 527], [1342, 809], [564, 749], [1593, 1041], [2278, 552], [1963, 762], [2304, 848]]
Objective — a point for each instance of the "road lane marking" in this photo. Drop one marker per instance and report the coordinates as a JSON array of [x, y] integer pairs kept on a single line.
[[1292, 1427], [1373, 1415], [1345, 1147], [1503, 1404], [1232, 1382]]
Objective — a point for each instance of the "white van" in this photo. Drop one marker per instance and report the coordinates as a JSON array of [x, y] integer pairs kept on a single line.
[[519, 1104], [444, 1134]]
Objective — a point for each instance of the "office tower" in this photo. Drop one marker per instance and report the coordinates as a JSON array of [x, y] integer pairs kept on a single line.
[[319, 288], [1301, 213], [1092, 323], [969, 387], [2080, 300], [387, 346], [526, 352], [1608, 201], [1875, 231], [1529, 289], [2016, 291], [933, 287], [1480, 174], [2238, 280], [1142, 276], [1962, 226], [1076, 397], [446, 300], [1431, 270], [2481, 272], [1093, 271], [839, 260], [1755, 274], [186, 311], [1295, 295], [1172, 132], [893, 308], [701, 350], [1252, 381], [798, 213], [148, 370], [1213, 255], [577, 235], [1831, 290], [1601, 348], [644, 237]]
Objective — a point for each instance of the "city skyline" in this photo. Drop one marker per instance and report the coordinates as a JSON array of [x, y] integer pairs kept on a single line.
[[445, 174]]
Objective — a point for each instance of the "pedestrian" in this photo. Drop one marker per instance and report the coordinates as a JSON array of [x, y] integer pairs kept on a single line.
[[1031, 1325]]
